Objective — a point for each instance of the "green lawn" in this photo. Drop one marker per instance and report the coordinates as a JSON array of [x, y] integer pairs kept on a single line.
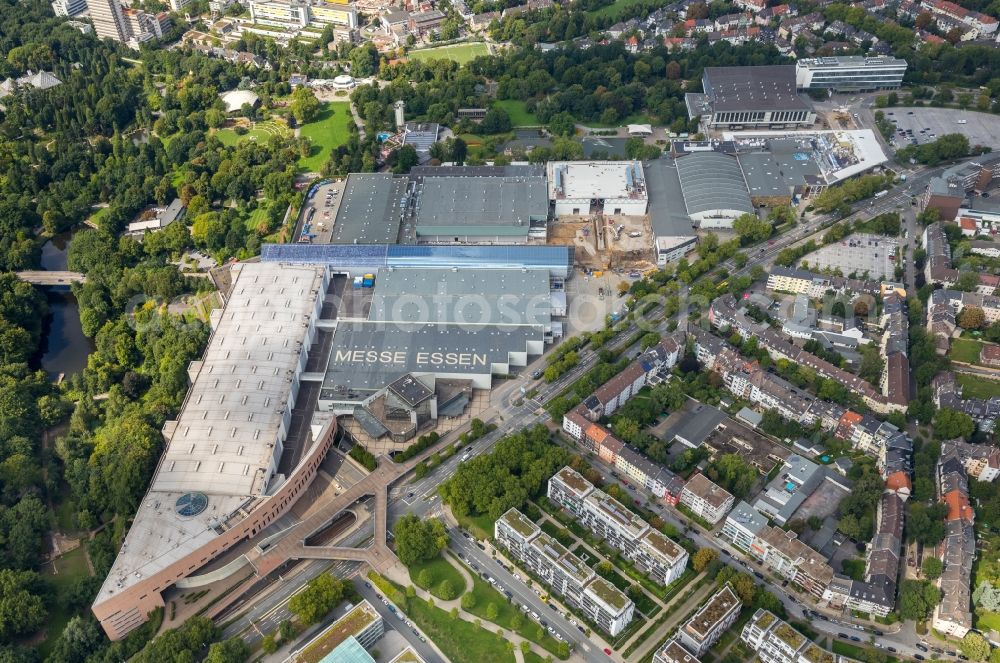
[[459, 640], [977, 387], [261, 132], [485, 595], [519, 115], [329, 130], [854, 651], [440, 570], [460, 53], [965, 350], [532, 657], [61, 575], [988, 620], [614, 8]]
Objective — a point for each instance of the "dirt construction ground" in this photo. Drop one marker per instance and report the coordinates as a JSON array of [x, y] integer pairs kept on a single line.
[[629, 248]]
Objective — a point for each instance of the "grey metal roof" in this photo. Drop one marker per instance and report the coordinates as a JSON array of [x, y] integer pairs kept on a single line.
[[477, 296], [503, 204], [769, 87], [367, 356], [667, 213], [370, 209], [712, 181], [771, 174]]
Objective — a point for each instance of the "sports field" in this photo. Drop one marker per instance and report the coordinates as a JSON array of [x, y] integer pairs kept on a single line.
[[329, 130], [460, 53]]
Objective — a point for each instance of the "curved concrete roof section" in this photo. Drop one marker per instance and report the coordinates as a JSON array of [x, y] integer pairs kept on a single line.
[[222, 451], [713, 183]]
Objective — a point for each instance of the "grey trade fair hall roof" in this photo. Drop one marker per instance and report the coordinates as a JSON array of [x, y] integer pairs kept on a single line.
[[760, 88], [497, 203], [367, 356], [712, 181], [482, 296], [667, 214], [370, 209]]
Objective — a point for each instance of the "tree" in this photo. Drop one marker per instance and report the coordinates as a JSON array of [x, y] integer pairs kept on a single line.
[[949, 424], [233, 650], [468, 601], [751, 229], [419, 540], [971, 317], [492, 611], [304, 106], [932, 568], [268, 645], [702, 558], [496, 121], [446, 590], [425, 578], [405, 158], [975, 646], [987, 596], [562, 124], [319, 597]]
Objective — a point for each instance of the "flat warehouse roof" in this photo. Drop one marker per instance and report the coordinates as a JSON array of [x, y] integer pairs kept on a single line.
[[596, 179], [507, 204], [370, 209], [479, 296], [369, 355], [770, 87]]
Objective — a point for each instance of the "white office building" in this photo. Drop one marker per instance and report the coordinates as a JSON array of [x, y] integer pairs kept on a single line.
[[69, 7], [850, 73]]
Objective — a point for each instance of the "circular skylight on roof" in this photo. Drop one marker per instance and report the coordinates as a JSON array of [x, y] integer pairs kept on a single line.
[[191, 504]]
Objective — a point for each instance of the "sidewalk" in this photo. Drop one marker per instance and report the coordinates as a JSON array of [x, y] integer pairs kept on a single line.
[[694, 581]]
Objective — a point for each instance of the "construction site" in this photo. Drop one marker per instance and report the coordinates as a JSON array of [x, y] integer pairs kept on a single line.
[[606, 242]]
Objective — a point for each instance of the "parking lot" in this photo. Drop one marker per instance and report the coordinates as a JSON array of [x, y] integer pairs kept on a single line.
[[319, 212], [866, 256], [926, 124]]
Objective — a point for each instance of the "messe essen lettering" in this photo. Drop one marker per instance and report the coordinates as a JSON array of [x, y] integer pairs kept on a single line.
[[400, 357]]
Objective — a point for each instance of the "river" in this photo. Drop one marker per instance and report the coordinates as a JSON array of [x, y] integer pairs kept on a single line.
[[64, 345]]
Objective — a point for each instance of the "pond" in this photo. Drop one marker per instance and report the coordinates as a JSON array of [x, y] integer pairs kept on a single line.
[[64, 347]]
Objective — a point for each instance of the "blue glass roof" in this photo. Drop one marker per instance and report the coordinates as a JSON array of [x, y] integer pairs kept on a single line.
[[558, 259]]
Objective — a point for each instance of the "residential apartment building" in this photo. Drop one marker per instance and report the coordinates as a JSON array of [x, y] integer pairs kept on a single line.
[[850, 73], [775, 641], [69, 7], [948, 393], [109, 22], [673, 652], [706, 499], [710, 622], [619, 526], [566, 574], [876, 594], [953, 614], [742, 525], [783, 553]]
